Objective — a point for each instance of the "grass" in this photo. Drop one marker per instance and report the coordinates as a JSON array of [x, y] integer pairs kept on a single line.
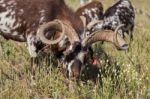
[[122, 75]]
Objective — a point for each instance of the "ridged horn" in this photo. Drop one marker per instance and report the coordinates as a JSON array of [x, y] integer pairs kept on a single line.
[[106, 35], [53, 25]]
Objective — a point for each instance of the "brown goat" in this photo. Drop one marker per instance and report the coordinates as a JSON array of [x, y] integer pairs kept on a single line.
[[38, 21]]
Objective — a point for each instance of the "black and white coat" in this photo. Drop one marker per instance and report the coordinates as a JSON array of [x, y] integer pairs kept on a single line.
[[122, 12], [92, 11]]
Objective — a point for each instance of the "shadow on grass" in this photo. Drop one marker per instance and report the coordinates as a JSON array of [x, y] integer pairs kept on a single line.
[[107, 67]]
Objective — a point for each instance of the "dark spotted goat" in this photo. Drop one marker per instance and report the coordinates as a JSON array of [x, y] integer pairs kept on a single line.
[[121, 12]]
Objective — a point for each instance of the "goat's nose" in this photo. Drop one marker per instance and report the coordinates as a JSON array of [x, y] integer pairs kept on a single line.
[[124, 46]]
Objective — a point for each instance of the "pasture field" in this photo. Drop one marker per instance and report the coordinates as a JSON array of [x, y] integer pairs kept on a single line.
[[122, 75]]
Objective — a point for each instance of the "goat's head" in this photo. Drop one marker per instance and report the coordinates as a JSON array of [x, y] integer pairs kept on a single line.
[[75, 59]]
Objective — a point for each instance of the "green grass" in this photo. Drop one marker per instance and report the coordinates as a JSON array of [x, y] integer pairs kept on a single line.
[[122, 75]]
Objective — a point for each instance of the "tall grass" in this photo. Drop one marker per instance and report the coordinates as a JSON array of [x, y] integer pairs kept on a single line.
[[121, 75]]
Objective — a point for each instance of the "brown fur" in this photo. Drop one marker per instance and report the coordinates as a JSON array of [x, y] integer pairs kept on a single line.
[[89, 6], [29, 19]]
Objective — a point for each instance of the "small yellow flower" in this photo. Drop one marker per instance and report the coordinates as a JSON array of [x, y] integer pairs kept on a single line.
[[73, 97]]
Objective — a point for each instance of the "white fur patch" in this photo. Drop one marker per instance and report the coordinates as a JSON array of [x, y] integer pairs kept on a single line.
[[94, 9], [1, 1], [6, 23], [92, 13], [3, 5], [31, 46], [8, 17], [125, 4], [98, 26], [88, 12], [63, 41], [81, 56], [42, 16], [69, 67], [11, 2], [70, 47]]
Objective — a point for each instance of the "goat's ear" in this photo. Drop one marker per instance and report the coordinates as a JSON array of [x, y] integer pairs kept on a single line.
[[83, 18]]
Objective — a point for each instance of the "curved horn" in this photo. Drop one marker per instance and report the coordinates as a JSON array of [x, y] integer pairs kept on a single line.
[[64, 26], [116, 34], [57, 25], [120, 42], [83, 18], [106, 35]]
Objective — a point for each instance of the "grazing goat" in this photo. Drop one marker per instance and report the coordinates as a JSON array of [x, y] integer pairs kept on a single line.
[[38, 21], [76, 59], [122, 12], [20, 21]]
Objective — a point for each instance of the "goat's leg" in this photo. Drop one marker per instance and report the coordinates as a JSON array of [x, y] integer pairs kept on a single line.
[[32, 69], [34, 64], [31, 41], [131, 36], [131, 33], [73, 73]]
